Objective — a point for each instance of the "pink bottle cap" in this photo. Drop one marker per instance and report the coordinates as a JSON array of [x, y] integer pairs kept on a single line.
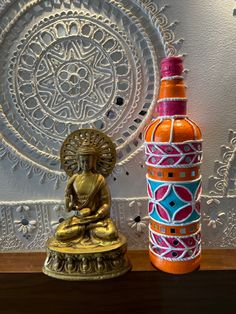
[[171, 66]]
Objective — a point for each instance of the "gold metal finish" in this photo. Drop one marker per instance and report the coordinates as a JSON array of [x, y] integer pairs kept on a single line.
[[88, 242], [87, 264]]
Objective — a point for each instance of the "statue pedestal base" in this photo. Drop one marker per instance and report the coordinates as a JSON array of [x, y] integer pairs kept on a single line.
[[92, 262]]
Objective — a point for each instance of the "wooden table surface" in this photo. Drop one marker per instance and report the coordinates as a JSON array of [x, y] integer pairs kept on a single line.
[[149, 291]]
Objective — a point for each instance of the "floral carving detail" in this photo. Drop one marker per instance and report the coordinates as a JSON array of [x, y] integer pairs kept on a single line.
[[22, 208], [138, 222], [24, 224], [215, 217]]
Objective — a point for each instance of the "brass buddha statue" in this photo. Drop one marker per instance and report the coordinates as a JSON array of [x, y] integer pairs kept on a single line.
[[87, 245], [88, 194]]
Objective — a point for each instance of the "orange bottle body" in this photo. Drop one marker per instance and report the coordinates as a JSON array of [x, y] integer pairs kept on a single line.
[[173, 147]]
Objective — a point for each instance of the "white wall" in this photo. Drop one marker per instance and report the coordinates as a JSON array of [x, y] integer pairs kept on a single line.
[[209, 31]]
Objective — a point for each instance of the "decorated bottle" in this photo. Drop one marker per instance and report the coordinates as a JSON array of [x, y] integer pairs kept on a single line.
[[173, 148]]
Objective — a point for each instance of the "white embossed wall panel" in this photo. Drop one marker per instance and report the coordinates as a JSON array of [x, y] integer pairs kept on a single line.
[[69, 64]]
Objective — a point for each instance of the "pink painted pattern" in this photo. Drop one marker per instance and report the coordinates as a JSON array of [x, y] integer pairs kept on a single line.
[[175, 247], [162, 212], [171, 155], [191, 202], [173, 148], [162, 192], [183, 193], [183, 213]]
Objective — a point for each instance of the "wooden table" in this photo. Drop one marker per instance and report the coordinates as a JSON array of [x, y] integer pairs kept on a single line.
[[212, 289]]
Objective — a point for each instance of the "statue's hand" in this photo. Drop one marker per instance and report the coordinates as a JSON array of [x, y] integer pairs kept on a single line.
[[87, 220], [85, 212]]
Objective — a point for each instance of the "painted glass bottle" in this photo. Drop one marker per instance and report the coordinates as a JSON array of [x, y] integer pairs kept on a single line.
[[173, 148]]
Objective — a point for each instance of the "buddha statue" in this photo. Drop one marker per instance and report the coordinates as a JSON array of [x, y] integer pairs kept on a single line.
[[87, 193], [89, 236]]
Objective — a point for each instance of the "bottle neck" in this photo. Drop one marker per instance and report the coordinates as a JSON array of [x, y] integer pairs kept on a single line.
[[172, 97]]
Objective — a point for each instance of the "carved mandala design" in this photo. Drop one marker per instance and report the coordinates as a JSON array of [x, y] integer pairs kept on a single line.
[[78, 64], [70, 71]]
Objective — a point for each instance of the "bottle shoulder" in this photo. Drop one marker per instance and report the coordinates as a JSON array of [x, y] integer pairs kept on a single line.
[[174, 130]]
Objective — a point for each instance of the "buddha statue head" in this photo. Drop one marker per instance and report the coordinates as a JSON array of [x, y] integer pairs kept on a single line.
[[87, 157], [88, 150]]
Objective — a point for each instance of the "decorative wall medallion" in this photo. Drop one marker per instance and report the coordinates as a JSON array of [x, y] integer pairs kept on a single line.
[[74, 64]]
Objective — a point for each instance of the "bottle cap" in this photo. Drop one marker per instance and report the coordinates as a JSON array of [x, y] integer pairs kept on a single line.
[[171, 66]]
